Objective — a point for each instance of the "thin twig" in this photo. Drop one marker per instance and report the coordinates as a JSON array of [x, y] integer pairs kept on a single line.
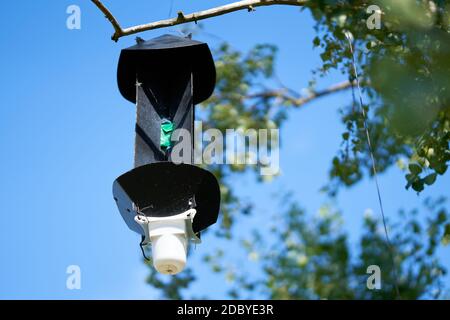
[[299, 101], [181, 18], [118, 31]]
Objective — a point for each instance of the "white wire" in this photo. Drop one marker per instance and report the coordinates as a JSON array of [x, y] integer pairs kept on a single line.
[[349, 37]]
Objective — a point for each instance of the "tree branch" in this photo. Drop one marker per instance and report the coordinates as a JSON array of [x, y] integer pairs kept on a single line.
[[181, 18], [300, 101], [118, 31], [250, 5]]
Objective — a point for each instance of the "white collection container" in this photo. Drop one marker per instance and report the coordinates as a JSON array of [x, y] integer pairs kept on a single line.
[[169, 245], [169, 237]]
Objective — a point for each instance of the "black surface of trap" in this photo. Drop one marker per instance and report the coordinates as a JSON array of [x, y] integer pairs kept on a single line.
[[163, 58], [166, 77], [165, 189]]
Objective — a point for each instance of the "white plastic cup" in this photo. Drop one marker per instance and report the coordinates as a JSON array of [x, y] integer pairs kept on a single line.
[[169, 245]]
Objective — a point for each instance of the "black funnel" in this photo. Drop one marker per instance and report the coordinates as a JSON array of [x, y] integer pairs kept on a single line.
[[165, 189], [164, 57]]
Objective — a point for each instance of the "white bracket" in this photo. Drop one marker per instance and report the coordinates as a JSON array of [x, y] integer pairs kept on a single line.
[[187, 216]]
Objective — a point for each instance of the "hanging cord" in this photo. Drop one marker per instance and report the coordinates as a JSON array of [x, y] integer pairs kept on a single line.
[[141, 245], [374, 168]]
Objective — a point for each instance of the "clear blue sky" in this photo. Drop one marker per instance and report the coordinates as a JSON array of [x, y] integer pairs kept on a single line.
[[66, 134]]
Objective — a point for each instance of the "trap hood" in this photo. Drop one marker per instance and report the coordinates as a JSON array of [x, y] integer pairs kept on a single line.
[[163, 57], [165, 189]]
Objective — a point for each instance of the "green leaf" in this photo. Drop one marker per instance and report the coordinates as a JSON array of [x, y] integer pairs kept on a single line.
[[345, 135], [446, 237], [316, 41], [441, 168], [430, 179], [418, 185], [415, 168]]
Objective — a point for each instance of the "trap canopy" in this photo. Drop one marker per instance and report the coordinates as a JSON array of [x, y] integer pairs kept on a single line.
[[167, 203]]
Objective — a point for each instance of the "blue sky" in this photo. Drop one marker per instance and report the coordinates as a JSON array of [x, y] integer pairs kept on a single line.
[[66, 134]]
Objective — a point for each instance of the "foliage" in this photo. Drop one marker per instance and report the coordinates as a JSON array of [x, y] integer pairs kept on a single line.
[[311, 258], [406, 70], [237, 77]]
